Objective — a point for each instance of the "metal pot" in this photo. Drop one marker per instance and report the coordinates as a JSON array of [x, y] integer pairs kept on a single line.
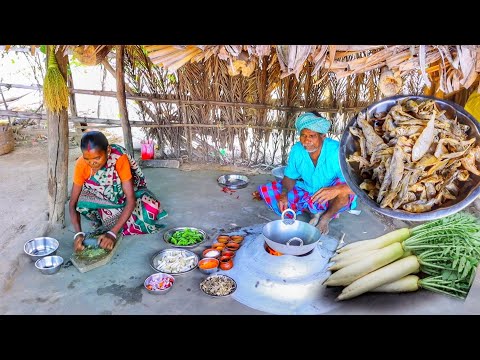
[[290, 236]]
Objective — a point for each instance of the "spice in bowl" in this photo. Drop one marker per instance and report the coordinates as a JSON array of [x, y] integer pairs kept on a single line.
[[208, 265], [218, 246], [211, 253], [233, 246], [223, 239], [237, 238]]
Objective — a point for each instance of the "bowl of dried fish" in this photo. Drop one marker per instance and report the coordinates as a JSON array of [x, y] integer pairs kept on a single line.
[[174, 261], [218, 285], [412, 157]]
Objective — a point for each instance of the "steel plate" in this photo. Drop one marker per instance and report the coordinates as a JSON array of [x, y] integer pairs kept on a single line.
[[168, 234], [348, 145], [233, 181], [156, 257]]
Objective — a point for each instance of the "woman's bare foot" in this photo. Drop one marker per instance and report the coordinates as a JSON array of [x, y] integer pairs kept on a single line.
[[323, 225]]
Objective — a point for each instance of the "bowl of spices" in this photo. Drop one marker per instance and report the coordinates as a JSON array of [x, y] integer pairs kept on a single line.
[[218, 285], [211, 253], [208, 265]]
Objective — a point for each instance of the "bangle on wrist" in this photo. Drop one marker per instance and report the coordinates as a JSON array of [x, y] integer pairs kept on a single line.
[[113, 234], [78, 233]]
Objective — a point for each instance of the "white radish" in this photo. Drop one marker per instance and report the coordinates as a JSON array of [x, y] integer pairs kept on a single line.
[[405, 284], [348, 260], [395, 236], [350, 273], [351, 254], [382, 276]]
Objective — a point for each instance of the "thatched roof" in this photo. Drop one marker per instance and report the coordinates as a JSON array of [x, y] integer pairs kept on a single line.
[[452, 67]]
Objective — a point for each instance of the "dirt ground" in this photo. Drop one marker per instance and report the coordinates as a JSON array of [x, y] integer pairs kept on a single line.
[[24, 197]]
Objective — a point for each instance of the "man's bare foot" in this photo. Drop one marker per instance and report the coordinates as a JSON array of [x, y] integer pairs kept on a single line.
[[314, 219], [323, 225]]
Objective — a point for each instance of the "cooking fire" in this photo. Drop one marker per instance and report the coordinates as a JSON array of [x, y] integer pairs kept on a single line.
[[269, 250]]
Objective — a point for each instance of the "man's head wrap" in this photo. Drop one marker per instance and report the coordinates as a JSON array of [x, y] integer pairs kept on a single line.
[[312, 122]]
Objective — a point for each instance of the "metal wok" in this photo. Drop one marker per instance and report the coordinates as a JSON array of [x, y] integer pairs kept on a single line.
[[290, 236]]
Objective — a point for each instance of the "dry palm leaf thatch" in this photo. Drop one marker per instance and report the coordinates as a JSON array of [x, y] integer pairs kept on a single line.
[[91, 55]]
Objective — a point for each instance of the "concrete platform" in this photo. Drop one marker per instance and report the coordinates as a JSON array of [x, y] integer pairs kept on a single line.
[[194, 199]]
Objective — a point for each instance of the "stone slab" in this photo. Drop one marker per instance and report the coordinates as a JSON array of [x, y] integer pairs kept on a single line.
[[173, 164]]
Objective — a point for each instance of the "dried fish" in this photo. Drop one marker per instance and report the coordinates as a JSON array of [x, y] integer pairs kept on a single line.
[[415, 156]]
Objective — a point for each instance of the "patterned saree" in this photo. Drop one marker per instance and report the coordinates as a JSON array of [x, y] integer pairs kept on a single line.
[[102, 198]]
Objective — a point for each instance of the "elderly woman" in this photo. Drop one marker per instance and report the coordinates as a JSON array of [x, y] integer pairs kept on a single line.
[[110, 190], [312, 179]]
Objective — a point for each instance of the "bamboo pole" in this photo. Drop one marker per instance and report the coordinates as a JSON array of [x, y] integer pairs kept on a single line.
[[6, 106], [117, 123], [195, 102], [122, 101], [129, 90]]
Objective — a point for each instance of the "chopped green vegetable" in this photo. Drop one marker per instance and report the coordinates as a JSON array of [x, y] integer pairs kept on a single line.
[[186, 237]]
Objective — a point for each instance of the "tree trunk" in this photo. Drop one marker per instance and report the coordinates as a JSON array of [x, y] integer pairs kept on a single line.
[[58, 157], [122, 101]]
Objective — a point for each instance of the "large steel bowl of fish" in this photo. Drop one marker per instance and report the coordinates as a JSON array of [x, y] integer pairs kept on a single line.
[[468, 190]]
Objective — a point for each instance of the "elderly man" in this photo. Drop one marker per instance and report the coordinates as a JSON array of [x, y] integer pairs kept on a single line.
[[313, 181]]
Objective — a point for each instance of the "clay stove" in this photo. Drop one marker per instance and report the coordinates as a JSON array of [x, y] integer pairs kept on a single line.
[[282, 284]]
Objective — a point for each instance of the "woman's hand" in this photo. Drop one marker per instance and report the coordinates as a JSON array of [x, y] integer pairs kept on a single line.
[[107, 241], [78, 243]]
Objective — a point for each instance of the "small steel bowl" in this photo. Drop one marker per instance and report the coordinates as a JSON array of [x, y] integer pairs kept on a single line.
[[278, 172], [217, 277], [153, 283], [169, 233], [209, 270], [233, 181], [49, 265], [40, 247]]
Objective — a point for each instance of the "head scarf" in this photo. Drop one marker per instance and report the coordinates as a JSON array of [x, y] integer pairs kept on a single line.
[[312, 122]]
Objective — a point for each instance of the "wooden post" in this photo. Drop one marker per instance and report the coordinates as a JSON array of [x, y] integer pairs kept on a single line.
[[57, 156], [122, 101]]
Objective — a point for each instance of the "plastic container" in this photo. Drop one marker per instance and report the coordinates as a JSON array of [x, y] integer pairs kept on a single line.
[[147, 151]]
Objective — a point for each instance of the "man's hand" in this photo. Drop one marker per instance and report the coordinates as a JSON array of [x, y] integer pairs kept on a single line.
[[283, 202], [326, 194]]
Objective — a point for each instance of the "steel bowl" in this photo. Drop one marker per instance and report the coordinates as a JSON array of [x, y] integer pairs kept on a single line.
[[204, 285], [157, 279], [168, 234], [278, 172], [211, 270], [154, 261], [348, 145], [40, 247], [233, 181], [49, 265]]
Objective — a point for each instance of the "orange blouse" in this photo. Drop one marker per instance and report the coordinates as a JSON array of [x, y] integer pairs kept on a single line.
[[82, 170]]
